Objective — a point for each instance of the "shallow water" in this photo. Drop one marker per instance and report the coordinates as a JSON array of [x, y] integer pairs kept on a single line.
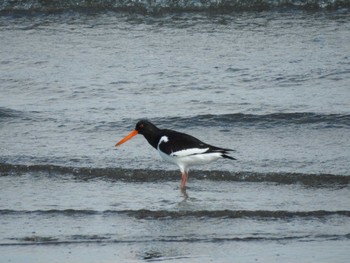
[[63, 217], [273, 85]]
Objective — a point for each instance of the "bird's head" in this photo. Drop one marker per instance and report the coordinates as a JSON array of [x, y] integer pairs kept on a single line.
[[144, 127]]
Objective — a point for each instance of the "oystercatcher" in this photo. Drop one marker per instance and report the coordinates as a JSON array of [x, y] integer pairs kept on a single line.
[[179, 148]]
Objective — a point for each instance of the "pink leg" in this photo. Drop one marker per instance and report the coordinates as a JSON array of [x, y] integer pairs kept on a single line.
[[184, 178]]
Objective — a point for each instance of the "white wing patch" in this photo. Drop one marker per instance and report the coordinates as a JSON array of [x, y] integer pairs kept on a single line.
[[188, 152], [189, 157]]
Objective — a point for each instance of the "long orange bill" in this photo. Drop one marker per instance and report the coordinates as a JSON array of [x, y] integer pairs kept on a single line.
[[128, 137]]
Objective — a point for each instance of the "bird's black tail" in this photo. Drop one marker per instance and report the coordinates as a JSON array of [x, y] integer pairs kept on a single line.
[[228, 157], [224, 152]]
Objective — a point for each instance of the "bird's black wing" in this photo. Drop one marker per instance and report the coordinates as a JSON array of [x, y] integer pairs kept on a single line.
[[177, 141]]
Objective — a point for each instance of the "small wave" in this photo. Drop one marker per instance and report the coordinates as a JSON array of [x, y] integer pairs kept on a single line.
[[150, 7], [157, 215], [9, 113], [267, 120], [63, 212], [107, 239], [166, 214], [110, 239], [49, 240], [145, 175], [260, 214]]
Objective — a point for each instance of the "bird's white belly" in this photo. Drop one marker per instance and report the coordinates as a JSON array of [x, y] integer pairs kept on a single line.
[[190, 160]]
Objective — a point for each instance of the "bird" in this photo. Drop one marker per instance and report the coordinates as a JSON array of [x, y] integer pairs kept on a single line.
[[178, 148]]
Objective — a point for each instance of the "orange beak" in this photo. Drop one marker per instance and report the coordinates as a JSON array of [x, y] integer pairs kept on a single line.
[[128, 137]]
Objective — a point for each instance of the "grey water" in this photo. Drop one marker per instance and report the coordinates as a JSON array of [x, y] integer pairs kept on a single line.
[[272, 84]]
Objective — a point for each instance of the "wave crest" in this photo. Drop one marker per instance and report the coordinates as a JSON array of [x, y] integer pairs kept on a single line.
[[144, 175], [159, 6], [166, 214], [265, 120]]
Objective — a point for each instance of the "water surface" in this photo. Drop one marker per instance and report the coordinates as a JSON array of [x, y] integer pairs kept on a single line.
[[270, 81]]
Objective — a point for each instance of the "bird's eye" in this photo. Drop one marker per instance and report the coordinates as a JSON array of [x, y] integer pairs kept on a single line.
[[141, 125]]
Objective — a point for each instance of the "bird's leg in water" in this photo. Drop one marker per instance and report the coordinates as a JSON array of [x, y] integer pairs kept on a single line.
[[184, 178]]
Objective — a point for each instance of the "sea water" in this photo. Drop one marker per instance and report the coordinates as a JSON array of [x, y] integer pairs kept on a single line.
[[270, 81]]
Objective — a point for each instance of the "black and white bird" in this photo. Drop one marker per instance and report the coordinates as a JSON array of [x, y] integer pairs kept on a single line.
[[179, 148]]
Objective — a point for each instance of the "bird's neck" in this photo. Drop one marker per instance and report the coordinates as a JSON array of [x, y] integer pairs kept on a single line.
[[153, 141], [153, 137]]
